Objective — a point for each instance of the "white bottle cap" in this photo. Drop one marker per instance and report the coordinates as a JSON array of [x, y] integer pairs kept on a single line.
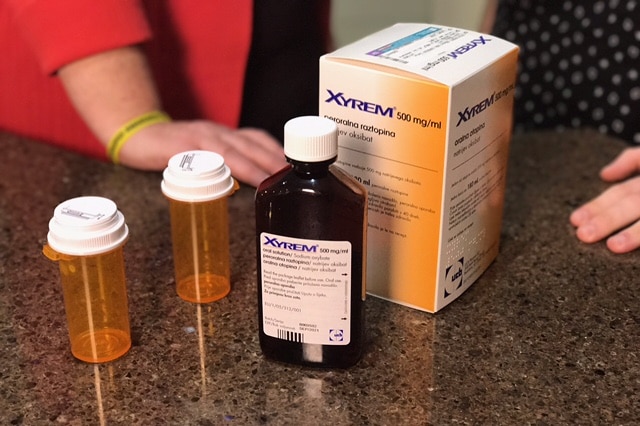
[[197, 176], [311, 139], [86, 226]]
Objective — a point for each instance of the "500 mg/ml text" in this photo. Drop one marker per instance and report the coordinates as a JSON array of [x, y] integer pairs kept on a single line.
[[424, 122]]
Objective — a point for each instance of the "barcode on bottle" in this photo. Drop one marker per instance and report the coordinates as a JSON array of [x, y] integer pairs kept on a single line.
[[290, 336]]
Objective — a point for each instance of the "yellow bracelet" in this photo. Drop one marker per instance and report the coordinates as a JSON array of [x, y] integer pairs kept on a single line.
[[131, 128]]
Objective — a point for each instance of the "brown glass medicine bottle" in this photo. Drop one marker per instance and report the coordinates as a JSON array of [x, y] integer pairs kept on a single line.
[[311, 220]]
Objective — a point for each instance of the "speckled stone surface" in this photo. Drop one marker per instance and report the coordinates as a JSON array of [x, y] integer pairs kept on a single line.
[[550, 334]]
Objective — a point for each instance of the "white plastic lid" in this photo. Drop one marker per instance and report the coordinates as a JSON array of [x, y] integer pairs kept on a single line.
[[197, 176], [310, 138], [85, 226]]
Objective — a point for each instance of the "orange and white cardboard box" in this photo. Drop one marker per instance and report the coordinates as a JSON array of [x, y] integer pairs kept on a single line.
[[425, 120]]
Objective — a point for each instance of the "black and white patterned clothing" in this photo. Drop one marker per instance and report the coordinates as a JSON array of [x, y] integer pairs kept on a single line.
[[579, 64]]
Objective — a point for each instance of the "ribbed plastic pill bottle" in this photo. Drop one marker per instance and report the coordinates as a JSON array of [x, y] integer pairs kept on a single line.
[[197, 184], [311, 220], [86, 237]]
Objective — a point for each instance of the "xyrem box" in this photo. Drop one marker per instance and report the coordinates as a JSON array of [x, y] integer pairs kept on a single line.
[[425, 120]]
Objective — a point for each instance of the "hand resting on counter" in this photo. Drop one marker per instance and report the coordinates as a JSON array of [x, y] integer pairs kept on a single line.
[[251, 154], [614, 214], [112, 87]]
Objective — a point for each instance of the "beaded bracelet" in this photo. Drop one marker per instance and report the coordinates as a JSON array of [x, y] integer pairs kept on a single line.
[[131, 128]]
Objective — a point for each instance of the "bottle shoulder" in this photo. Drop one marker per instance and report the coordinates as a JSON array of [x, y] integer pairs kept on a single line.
[[288, 181], [349, 181], [275, 179]]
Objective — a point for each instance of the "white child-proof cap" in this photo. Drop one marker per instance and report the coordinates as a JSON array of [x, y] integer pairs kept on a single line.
[[85, 226], [311, 139], [197, 176]]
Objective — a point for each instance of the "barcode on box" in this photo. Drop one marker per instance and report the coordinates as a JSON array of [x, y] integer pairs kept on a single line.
[[290, 336]]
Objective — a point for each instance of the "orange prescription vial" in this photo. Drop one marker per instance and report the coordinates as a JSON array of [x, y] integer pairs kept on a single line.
[[197, 184], [86, 237]]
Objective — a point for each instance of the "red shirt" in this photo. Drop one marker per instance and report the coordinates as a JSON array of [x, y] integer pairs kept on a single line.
[[197, 50]]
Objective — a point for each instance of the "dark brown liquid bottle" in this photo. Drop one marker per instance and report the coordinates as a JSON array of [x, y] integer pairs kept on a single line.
[[311, 220]]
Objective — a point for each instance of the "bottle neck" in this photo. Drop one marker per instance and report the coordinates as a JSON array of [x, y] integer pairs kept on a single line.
[[311, 170]]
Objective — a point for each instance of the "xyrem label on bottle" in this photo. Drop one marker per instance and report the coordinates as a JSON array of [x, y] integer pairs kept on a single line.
[[306, 289]]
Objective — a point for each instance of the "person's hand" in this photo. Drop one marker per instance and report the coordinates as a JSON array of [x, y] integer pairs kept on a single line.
[[251, 154], [614, 214]]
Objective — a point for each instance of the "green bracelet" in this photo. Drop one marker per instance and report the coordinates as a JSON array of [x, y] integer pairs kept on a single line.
[[131, 128]]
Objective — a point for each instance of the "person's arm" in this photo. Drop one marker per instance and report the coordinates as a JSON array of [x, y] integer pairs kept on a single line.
[[614, 214], [489, 17], [110, 88], [107, 79]]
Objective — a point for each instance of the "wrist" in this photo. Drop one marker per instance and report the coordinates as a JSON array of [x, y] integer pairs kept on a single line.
[[130, 128]]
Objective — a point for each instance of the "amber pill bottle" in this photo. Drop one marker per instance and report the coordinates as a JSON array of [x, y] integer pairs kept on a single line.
[[197, 184], [311, 222], [86, 237]]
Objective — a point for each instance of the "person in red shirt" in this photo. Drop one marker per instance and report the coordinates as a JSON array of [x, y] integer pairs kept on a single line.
[[229, 74]]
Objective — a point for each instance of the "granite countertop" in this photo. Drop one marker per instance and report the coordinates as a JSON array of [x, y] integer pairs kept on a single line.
[[550, 334]]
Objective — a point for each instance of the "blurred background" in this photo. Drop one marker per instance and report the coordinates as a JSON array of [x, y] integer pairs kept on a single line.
[[354, 19]]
